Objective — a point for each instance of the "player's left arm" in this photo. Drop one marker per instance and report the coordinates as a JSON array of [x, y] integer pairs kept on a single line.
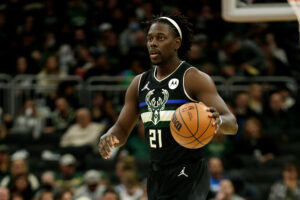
[[202, 88]]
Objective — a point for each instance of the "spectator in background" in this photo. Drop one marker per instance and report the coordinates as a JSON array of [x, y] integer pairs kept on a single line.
[[256, 101], [273, 118], [61, 118], [227, 191], [66, 58], [5, 121], [51, 68], [241, 109], [139, 51], [67, 90], [22, 67], [220, 147], [137, 144], [289, 187], [47, 195], [136, 67], [4, 193], [124, 164], [20, 185], [245, 56], [110, 194], [48, 186], [244, 188], [254, 143], [83, 132], [4, 160], [92, 188], [17, 196], [47, 47], [108, 45], [28, 121], [216, 169], [65, 194], [6, 125], [67, 177], [28, 34], [19, 167], [79, 39], [130, 188], [100, 68], [77, 12], [85, 61], [276, 58], [289, 102], [103, 110], [198, 55], [127, 36]]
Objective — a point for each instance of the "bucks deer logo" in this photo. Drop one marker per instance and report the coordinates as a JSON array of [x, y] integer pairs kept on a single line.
[[156, 106]]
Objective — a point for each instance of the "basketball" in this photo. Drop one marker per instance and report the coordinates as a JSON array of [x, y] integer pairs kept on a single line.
[[191, 127]]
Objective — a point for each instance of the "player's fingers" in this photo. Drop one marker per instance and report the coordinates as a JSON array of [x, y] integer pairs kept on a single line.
[[101, 149], [211, 109], [107, 149], [217, 128], [115, 140], [104, 149], [109, 141], [217, 122], [215, 115], [213, 112], [103, 153]]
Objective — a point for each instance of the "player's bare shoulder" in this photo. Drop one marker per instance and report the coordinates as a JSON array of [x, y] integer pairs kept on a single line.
[[196, 78], [132, 91]]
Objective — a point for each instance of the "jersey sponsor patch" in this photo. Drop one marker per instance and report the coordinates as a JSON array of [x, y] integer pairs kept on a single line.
[[173, 83]]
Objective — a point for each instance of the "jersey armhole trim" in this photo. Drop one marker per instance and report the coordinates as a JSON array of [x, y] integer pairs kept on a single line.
[[185, 92], [138, 92]]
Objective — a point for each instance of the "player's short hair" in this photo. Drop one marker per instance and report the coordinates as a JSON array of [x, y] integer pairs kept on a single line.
[[183, 23]]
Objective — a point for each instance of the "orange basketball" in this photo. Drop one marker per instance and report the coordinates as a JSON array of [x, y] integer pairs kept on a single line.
[[191, 127]]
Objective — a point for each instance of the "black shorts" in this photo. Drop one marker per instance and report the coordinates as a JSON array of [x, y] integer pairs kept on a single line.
[[188, 181]]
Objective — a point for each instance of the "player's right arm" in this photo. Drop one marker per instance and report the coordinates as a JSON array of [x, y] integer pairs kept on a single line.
[[117, 135]]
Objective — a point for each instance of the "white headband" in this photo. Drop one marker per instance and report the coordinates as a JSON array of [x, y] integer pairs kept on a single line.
[[174, 24]]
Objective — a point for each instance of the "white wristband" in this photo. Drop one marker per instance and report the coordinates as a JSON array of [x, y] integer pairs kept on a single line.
[[221, 121]]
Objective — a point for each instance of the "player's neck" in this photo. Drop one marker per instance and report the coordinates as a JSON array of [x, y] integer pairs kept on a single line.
[[164, 69]]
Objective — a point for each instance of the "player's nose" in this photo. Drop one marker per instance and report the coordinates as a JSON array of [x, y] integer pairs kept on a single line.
[[153, 43]]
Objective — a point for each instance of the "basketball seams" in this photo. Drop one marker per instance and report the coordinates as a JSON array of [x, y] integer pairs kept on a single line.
[[207, 138], [195, 104], [188, 127], [194, 141], [178, 133], [200, 135], [206, 127]]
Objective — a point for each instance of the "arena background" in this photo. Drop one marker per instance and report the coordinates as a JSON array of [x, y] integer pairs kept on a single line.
[[64, 69]]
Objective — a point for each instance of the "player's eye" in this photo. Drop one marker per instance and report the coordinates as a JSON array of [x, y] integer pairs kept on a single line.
[[149, 39], [160, 38]]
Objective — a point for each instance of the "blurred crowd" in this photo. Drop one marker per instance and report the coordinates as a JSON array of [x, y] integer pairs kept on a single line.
[[50, 152]]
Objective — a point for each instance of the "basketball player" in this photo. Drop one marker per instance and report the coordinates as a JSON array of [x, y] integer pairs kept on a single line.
[[177, 173]]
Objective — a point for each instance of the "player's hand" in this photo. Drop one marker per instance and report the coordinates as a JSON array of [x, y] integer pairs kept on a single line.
[[107, 144], [216, 115]]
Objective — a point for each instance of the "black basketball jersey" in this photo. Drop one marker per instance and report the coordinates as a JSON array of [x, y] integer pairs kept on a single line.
[[158, 100]]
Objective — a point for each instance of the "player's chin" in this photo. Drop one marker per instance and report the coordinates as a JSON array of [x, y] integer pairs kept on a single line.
[[155, 62]]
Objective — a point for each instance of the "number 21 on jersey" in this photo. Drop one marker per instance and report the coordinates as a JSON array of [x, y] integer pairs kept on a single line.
[[155, 138]]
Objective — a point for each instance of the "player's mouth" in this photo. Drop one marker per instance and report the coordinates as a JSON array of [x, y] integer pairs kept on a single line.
[[154, 54]]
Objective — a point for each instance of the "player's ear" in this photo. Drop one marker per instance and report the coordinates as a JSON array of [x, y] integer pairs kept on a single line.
[[177, 43]]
